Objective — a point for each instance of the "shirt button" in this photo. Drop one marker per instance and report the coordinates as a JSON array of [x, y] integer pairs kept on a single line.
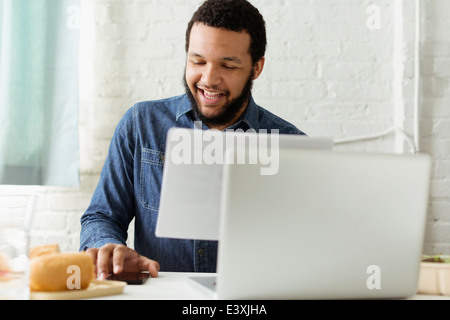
[[200, 252]]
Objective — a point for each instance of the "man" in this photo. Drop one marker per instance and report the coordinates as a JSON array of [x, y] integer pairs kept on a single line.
[[225, 47]]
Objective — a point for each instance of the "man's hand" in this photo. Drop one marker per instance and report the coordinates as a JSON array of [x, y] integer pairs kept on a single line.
[[116, 258]]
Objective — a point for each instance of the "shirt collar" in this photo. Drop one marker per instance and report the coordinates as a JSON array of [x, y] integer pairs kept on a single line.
[[248, 120], [184, 107]]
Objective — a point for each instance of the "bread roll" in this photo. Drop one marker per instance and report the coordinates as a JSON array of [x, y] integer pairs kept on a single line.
[[61, 272], [44, 249]]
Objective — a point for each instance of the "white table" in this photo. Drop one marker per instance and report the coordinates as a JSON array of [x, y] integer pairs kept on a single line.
[[177, 286], [168, 286]]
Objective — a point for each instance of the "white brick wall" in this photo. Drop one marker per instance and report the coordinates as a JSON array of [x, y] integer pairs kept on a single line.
[[435, 139], [326, 72]]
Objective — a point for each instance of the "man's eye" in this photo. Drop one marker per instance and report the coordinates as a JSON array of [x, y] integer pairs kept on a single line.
[[197, 63], [229, 67]]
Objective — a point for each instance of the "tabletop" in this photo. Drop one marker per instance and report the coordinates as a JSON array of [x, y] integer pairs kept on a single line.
[[167, 286], [178, 286]]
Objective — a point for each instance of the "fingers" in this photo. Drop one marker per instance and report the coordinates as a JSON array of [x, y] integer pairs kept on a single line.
[[104, 255], [141, 263], [153, 268], [107, 259], [116, 258]]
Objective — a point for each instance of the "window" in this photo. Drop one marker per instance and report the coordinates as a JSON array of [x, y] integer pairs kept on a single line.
[[39, 92]]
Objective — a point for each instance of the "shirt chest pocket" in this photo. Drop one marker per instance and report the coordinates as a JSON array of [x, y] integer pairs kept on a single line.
[[150, 178]]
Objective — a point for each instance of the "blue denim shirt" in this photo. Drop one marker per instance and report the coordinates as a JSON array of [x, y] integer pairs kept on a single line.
[[130, 183]]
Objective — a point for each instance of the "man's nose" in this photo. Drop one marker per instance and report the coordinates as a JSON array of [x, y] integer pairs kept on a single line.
[[211, 76]]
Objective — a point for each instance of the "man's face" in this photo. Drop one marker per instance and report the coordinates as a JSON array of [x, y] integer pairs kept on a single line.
[[219, 74]]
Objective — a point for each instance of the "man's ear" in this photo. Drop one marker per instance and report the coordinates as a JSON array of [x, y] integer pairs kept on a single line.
[[258, 68]]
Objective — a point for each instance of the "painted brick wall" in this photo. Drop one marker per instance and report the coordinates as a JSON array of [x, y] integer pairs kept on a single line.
[[332, 68], [435, 124]]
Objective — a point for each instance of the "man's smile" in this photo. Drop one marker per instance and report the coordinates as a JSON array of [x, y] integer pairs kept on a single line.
[[210, 97]]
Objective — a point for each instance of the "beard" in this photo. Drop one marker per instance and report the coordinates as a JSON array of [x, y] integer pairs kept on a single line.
[[229, 111]]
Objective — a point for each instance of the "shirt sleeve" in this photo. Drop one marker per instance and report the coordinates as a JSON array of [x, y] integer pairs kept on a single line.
[[111, 209]]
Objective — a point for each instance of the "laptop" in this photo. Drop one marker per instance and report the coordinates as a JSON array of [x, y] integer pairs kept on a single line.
[[192, 177], [328, 225]]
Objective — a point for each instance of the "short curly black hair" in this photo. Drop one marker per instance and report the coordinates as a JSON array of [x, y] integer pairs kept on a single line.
[[233, 15]]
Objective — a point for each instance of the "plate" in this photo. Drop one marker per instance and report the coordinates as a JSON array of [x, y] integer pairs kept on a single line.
[[97, 288]]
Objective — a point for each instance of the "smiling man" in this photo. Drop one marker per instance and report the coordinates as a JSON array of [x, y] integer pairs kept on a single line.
[[225, 47], [219, 74]]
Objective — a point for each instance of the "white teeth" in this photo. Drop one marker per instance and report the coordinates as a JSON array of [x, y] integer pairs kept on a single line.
[[209, 93]]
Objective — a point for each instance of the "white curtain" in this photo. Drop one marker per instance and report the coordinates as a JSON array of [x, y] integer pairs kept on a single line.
[[39, 92]]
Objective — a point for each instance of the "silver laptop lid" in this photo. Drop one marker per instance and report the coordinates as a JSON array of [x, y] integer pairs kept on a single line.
[[328, 225], [192, 177]]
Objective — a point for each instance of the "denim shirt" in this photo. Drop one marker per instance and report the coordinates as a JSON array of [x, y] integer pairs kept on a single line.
[[130, 183]]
